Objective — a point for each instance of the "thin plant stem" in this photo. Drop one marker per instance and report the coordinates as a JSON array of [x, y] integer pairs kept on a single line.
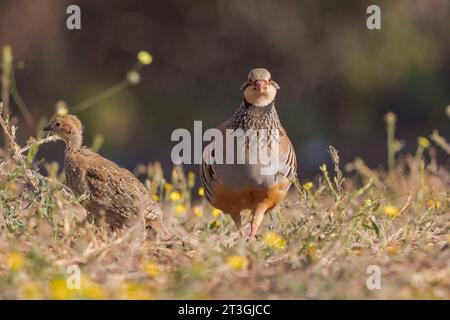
[[107, 93], [101, 96], [390, 119], [19, 101], [324, 170], [52, 138], [5, 81]]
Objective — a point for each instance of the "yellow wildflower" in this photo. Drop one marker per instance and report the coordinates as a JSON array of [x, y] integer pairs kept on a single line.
[[434, 204], [92, 290], [30, 291], [237, 262], [168, 186], [201, 191], [423, 142], [151, 268], [215, 224], [59, 289], [311, 249], [391, 211], [392, 250], [198, 212], [191, 179], [180, 209], [274, 241], [135, 291], [15, 261], [201, 296], [308, 186], [175, 196], [145, 57], [216, 212], [12, 188], [156, 197]]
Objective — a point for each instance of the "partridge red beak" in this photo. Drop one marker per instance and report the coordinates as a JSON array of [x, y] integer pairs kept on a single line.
[[260, 86]]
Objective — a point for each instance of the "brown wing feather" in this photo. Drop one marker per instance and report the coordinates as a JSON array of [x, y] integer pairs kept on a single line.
[[290, 159], [117, 190], [207, 175]]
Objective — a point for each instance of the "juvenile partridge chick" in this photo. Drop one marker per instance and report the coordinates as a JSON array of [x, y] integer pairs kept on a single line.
[[113, 191], [238, 186]]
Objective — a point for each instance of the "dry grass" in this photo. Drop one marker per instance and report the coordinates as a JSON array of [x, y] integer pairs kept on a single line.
[[317, 244]]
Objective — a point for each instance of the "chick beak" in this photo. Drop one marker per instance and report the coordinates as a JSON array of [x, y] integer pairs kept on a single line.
[[48, 128], [260, 86]]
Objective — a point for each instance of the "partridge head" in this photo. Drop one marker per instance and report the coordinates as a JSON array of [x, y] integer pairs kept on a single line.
[[259, 89], [68, 128]]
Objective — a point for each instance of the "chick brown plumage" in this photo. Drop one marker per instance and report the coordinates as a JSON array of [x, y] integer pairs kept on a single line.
[[113, 191]]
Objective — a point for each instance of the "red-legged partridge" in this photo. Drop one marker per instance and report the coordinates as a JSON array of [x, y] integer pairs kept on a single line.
[[238, 186]]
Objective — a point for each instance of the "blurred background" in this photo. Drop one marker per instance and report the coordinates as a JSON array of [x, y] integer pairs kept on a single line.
[[337, 77]]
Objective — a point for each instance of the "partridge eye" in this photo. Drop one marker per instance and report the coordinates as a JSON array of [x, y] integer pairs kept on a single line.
[[58, 124]]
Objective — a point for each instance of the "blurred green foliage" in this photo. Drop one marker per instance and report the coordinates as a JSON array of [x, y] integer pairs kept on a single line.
[[337, 77]]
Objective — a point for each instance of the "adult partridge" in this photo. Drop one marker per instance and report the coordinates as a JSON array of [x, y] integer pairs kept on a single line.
[[233, 187], [113, 191]]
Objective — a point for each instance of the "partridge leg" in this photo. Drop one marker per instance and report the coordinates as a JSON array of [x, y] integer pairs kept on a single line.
[[238, 222], [257, 219]]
